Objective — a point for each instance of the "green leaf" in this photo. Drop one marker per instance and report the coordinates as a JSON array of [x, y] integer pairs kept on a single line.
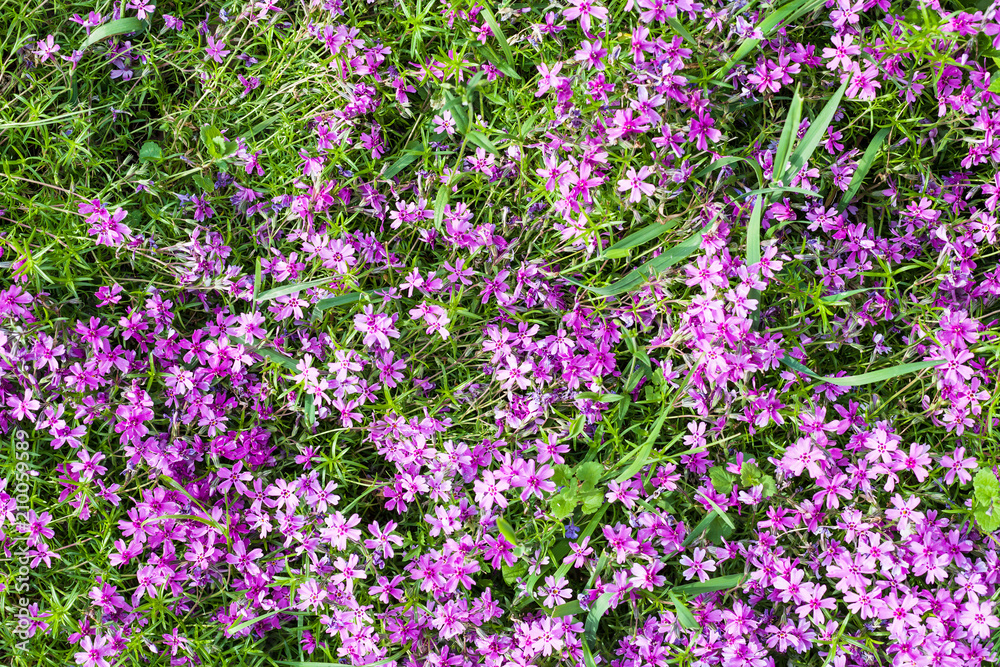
[[716, 584], [722, 479], [479, 139], [597, 610], [986, 486], [814, 136], [203, 182], [511, 573], [770, 487], [507, 531], [589, 474], [150, 151], [750, 475], [644, 235], [310, 410], [788, 133], [209, 135], [682, 31], [561, 506], [413, 150], [698, 530], [246, 624], [864, 164], [988, 522], [342, 300], [726, 161], [568, 609], [864, 378], [277, 357], [591, 501], [665, 260], [491, 21], [766, 26], [753, 232], [684, 615], [561, 474], [292, 288], [113, 29]]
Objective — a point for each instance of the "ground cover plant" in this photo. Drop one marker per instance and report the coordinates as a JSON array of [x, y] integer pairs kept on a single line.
[[630, 333]]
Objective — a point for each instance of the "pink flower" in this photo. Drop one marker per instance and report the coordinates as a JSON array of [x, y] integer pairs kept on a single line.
[[634, 183], [46, 49], [585, 11], [978, 618], [94, 651]]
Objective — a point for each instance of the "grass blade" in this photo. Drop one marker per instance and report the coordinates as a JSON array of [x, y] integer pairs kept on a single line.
[[765, 27], [815, 134], [640, 237], [864, 164], [292, 288], [864, 378], [491, 21], [113, 29], [715, 584], [413, 150], [667, 259], [753, 232], [788, 133]]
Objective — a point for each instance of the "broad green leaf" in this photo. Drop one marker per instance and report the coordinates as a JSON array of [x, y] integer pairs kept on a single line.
[[342, 300], [568, 609], [209, 135], [507, 530], [203, 182], [413, 150], [750, 475], [644, 235], [597, 610], [480, 139], [814, 136], [491, 21], [716, 584], [113, 29], [588, 474], [561, 506], [684, 615], [591, 501], [863, 378], [864, 164], [150, 151], [988, 522], [511, 573], [292, 288], [788, 134], [722, 479], [986, 486], [665, 260], [561, 474]]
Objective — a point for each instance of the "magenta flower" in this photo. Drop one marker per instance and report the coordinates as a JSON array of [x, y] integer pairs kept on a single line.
[[216, 50]]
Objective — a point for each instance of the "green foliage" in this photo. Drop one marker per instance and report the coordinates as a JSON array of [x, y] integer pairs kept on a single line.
[[579, 490], [986, 500]]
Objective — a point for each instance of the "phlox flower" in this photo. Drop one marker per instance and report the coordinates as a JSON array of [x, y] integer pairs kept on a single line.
[[635, 184]]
